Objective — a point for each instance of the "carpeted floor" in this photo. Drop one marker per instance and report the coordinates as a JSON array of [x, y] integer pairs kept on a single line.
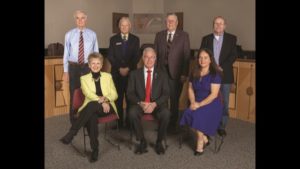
[[237, 152]]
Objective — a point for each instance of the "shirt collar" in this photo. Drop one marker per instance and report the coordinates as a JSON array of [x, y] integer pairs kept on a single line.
[[173, 32], [145, 69]]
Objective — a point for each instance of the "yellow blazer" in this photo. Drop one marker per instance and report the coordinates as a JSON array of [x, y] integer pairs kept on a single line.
[[89, 89]]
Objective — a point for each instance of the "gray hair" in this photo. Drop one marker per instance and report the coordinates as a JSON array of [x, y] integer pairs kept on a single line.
[[79, 11], [149, 49], [124, 18], [172, 14]]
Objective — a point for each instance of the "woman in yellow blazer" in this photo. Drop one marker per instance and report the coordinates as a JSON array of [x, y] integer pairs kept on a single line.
[[100, 94]]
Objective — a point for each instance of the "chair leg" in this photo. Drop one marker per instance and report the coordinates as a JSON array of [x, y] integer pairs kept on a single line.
[[84, 143], [108, 140], [218, 147], [80, 152]]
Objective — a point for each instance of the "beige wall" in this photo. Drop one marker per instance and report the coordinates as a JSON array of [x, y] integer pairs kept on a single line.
[[198, 15], [59, 17], [147, 6]]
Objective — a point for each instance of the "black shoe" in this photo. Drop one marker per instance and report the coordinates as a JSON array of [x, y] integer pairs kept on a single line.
[[94, 156], [159, 148], [222, 132], [141, 148], [67, 139], [197, 153]]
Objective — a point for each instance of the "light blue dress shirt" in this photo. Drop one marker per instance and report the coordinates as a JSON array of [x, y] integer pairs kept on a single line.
[[72, 45], [217, 47]]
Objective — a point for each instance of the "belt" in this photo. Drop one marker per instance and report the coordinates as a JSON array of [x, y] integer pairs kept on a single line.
[[77, 64]]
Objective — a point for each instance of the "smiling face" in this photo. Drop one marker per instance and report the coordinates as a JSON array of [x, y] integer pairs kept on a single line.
[[149, 58], [204, 59], [124, 25], [172, 22], [80, 19], [219, 25], [95, 64]]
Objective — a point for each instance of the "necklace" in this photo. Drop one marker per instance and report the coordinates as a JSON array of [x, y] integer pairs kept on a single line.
[[96, 80]]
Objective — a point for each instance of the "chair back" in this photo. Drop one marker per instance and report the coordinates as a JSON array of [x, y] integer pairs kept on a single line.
[[78, 99]]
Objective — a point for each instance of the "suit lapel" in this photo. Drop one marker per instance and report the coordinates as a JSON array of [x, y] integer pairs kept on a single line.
[[223, 48], [141, 79], [175, 37], [154, 81], [211, 43]]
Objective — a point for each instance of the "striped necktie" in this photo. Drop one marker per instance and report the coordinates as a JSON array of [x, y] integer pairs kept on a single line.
[[81, 50]]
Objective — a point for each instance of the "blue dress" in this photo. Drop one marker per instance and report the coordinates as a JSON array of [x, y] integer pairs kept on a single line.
[[206, 118]]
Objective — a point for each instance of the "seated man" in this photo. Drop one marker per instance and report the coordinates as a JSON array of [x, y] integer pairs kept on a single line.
[[148, 92]]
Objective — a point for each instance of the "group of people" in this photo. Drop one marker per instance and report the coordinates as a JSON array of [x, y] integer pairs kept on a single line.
[[147, 90]]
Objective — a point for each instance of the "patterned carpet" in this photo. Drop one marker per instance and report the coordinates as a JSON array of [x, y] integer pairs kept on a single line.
[[237, 152]]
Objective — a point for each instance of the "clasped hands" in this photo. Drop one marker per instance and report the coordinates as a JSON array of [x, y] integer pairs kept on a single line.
[[194, 105], [148, 107], [104, 102]]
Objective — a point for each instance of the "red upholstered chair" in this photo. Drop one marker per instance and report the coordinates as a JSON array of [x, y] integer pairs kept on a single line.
[[78, 99], [146, 117]]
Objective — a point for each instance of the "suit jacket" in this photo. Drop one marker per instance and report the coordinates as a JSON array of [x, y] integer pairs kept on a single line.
[[118, 58], [136, 89], [228, 54], [89, 89], [179, 53]]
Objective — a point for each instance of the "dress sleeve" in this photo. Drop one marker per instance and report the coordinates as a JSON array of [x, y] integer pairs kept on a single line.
[[216, 79]]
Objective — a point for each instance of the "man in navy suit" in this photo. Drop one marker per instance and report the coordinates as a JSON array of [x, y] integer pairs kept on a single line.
[[123, 55], [148, 93], [224, 48], [173, 53]]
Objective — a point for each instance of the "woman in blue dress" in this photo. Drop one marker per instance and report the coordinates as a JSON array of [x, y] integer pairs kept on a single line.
[[205, 111]]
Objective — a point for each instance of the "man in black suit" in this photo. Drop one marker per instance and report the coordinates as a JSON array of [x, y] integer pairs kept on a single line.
[[173, 53], [224, 48], [123, 55], [148, 92]]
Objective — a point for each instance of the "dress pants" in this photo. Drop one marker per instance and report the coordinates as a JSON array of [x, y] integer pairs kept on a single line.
[[175, 86], [121, 86], [162, 114], [75, 71], [89, 117]]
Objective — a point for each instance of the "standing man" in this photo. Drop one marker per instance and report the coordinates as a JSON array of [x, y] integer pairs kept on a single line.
[[123, 55], [224, 49], [148, 93], [173, 53], [79, 43]]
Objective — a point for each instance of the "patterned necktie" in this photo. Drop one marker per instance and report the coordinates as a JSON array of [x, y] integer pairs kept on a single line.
[[148, 86], [169, 43], [124, 38], [81, 50]]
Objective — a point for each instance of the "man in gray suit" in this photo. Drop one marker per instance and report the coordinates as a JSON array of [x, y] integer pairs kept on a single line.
[[173, 53], [148, 93]]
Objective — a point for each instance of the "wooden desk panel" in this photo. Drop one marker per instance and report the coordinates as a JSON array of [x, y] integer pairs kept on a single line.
[[56, 91]]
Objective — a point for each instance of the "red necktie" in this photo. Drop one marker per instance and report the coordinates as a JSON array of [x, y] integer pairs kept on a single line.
[[81, 50], [148, 86]]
